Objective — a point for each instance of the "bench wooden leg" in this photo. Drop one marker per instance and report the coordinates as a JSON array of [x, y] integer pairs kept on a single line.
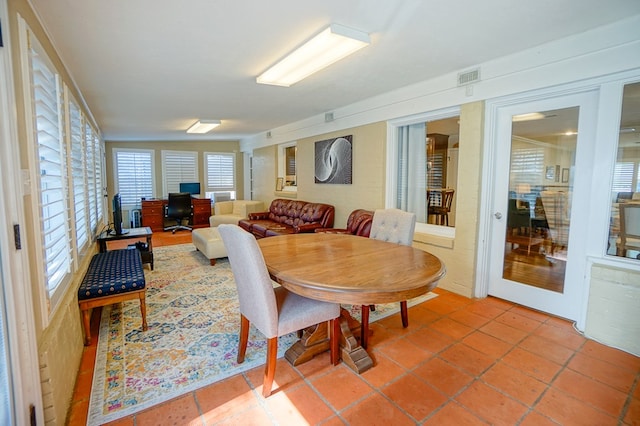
[[212, 262], [86, 322], [87, 305]]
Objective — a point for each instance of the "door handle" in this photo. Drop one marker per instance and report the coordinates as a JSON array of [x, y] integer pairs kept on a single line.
[[498, 215]]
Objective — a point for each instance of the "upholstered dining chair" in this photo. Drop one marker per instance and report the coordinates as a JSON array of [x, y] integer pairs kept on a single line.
[[394, 226], [629, 238], [179, 208], [273, 311]]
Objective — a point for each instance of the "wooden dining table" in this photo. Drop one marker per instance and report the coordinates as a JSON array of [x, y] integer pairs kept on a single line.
[[346, 269]]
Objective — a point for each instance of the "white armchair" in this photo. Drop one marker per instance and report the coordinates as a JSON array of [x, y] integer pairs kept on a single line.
[[230, 212]]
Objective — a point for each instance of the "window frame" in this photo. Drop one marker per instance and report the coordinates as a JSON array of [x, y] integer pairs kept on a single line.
[[209, 190], [167, 183], [392, 162], [282, 165], [71, 179], [613, 208], [116, 183]]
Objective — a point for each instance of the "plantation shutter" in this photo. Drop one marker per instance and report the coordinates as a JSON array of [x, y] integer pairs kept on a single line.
[[78, 168], [134, 176], [98, 148], [623, 177], [220, 171], [53, 171], [527, 166], [178, 166], [436, 172], [91, 177]]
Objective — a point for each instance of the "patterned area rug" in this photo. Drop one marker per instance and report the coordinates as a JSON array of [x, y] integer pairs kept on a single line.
[[192, 313]]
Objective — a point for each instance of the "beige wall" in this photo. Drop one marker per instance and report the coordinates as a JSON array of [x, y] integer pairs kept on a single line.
[[264, 165], [199, 146], [613, 317], [366, 191], [368, 174], [368, 188]]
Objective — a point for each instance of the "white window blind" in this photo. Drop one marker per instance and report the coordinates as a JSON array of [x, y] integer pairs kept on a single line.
[[177, 167], [91, 178], [134, 175], [78, 169], [623, 176], [97, 189], [527, 166], [220, 171], [435, 170], [53, 170]]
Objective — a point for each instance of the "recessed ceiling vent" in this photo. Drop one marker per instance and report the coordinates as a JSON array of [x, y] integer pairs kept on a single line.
[[468, 77]]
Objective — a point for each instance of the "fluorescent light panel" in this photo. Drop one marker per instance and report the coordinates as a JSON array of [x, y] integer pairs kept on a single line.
[[529, 117], [203, 126], [332, 44]]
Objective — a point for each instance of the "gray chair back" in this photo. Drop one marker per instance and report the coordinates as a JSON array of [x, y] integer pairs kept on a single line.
[[255, 287], [393, 225]]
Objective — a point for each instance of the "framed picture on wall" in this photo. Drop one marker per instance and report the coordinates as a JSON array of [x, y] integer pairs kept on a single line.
[[333, 161], [550, 173], [565, 175]]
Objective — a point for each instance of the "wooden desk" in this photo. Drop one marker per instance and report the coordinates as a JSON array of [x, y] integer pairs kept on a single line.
[[153, 213], [346, 269]]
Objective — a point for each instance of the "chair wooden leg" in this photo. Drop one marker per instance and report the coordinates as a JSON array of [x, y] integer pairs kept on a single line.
[[244, 337], [364, 327], [143, 311], [334, 341], [270, 367], [404, 314]]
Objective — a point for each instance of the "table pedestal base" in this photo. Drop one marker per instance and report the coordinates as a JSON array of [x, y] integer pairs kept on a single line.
[[315, 340]]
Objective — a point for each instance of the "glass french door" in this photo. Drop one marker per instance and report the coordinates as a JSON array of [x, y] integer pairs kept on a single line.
[[537, 250]]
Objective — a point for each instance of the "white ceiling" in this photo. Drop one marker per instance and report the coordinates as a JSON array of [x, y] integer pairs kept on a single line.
[[148, 69]]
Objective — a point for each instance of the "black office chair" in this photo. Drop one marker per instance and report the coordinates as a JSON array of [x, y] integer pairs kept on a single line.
[[179, 208]]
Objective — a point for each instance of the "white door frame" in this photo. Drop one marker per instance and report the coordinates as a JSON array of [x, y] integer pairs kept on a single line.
[[488, 198], [14, 263]]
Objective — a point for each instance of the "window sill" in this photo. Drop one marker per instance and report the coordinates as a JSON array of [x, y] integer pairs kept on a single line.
[[286, 194]]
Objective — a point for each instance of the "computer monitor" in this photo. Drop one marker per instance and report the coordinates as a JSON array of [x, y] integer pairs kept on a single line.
[[117, 216], [192, 188]]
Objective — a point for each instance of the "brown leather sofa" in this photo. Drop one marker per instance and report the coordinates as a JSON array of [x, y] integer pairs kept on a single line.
[[289, 217], [358, 223]]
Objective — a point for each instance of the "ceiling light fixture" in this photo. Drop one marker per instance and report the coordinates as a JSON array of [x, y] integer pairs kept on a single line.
[[529, 117], [203, 126], [332, 44]]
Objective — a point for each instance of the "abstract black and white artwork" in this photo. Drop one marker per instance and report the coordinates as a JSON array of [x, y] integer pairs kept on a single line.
[[333, 160]]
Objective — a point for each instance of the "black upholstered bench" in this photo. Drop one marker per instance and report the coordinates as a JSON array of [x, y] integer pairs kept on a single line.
[[113, 276]]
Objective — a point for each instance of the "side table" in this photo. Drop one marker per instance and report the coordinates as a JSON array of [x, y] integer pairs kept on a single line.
[[133, 233]]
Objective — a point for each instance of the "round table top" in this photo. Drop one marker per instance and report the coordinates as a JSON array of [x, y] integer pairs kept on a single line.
[[345, 268]]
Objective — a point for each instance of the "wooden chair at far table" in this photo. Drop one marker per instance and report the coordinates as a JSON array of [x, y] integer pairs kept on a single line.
[[439, 204], [274, 311], [394, 226]]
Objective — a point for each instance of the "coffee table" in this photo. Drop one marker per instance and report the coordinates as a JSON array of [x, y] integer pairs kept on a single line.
[[133, 233], [346, 269]]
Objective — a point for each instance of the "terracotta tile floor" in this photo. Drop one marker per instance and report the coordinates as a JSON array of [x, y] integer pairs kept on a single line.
[[460, 362]]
